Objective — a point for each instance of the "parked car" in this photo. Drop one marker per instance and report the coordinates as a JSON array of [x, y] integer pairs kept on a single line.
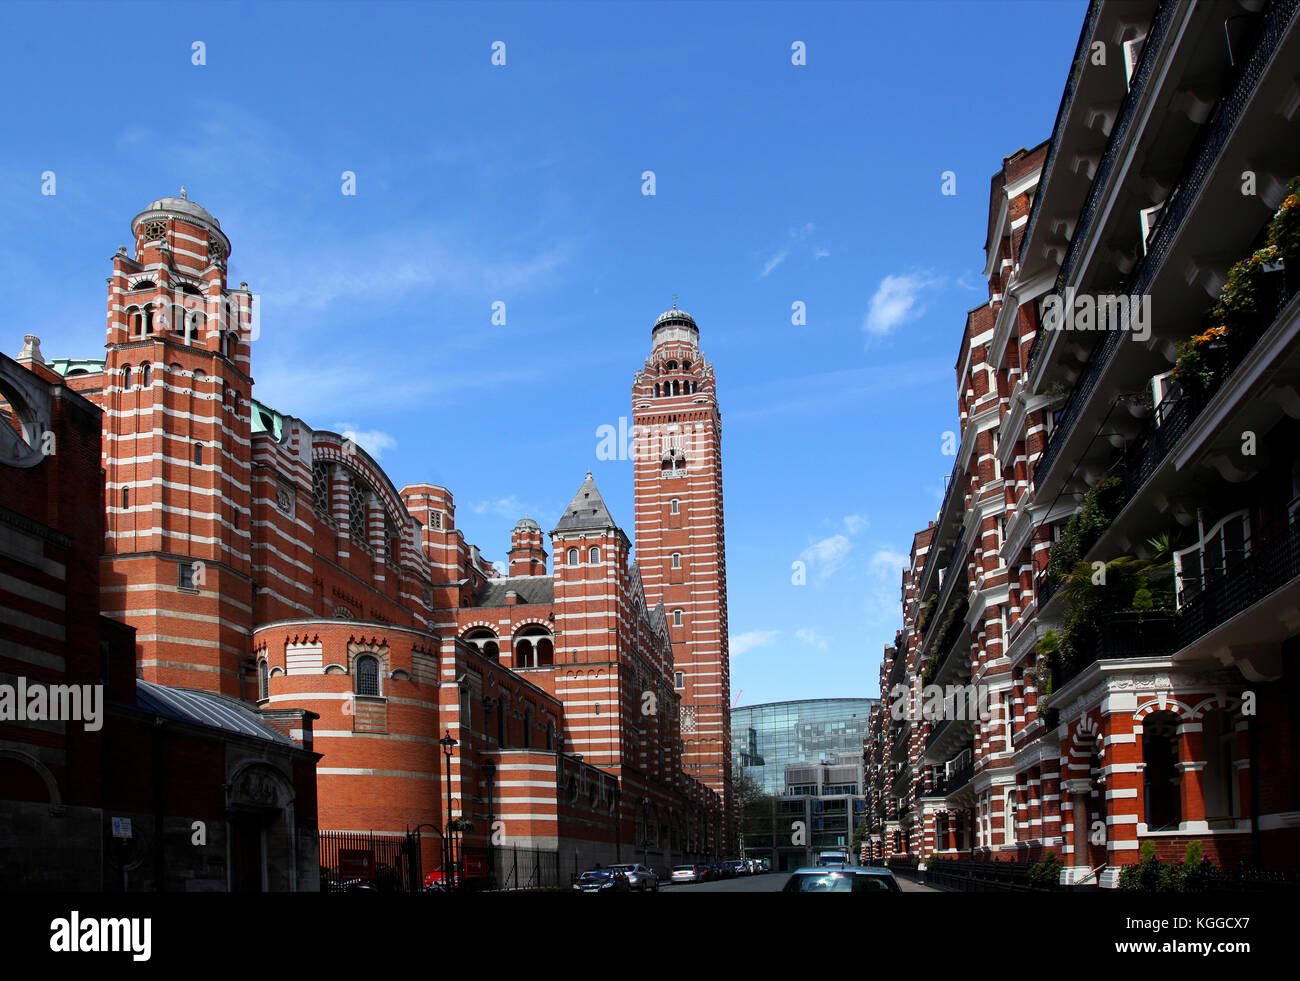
[[690, 873], [601, 880], [756, 865], [737, 867], [848, 879], [639, 877], [715, 871]]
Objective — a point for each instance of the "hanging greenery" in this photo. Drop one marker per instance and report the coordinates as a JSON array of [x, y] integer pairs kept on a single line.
[[1098, 509]]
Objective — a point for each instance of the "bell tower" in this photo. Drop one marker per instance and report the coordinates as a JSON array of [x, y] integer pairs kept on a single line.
[[680, 538], [176, 401]]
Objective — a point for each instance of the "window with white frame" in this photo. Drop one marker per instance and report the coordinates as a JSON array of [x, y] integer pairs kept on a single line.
[[677, 618], [593, 555], [673, 506], [573, 556], [1216, 556], [677, 560]]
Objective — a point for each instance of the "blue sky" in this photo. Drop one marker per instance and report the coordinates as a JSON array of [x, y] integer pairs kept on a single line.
[[521, 183]]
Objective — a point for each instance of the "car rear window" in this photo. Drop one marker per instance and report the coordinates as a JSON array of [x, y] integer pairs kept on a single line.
[[842, 882]]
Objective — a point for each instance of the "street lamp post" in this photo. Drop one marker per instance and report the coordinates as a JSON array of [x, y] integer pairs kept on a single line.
[[448, 838]]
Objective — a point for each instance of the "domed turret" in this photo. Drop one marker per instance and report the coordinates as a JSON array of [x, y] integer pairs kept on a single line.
[[675, 327], [153, 225], [527, 549]]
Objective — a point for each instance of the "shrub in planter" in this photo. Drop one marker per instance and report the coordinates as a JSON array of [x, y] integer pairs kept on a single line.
[[1047, 873]]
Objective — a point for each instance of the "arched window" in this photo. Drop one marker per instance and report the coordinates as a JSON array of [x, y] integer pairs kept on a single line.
[[263, 680], [573, 556], [1160, 774], [677, 618], [232, 345], [673, 506], [677, 560], [677, 387], [534, 647], [686, 366], [126, 498], [681, 463], [367, 669], [134, 322], [148, 318], [656, 389], [1009, 818], [146, 375], [198, 454], [593, 555], [485, 640], [126, 377], [671, 366]]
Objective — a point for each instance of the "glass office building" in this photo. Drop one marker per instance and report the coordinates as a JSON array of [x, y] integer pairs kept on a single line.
[[765, 738]]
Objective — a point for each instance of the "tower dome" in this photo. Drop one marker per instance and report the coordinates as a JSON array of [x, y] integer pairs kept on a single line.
[[675, 326], [150, 224], [527, 524]]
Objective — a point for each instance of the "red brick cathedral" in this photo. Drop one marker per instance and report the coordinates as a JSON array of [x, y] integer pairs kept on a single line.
[[680, 536], [265, 560]]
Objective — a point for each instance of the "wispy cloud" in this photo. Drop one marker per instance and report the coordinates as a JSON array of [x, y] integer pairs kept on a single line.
[[854, 523], [505, 507], [373, 441], [812, 638], [317, 389], [743, 643], [796, 237], [883, 599], [897, 300], [827, 556]]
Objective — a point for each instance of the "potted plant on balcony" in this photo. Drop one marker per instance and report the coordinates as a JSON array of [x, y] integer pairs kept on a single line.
[[1284, 234]]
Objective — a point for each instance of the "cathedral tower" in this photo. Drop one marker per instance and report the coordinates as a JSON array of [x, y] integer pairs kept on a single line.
[[176, 399], [680, 538]]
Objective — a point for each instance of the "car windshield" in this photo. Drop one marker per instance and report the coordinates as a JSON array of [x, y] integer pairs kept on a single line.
[[622, 868], [595, 875], [841, 882]]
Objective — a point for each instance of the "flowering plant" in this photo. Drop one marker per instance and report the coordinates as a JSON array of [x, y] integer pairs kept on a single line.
[[1284, 229]]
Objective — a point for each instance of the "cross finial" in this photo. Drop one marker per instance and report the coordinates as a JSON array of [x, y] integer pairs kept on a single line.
[[183, 198], [674, 301]]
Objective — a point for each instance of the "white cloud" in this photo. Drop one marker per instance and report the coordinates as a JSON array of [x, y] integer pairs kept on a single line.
[[854, 523], [775, 261], [811, 637], [884, 598], [505, 507], [828, 555], [373, 441], [821, 253], [741, 643], [796, 237], [898, 299]]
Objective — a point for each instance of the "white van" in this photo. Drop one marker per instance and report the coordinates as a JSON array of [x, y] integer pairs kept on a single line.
[[833, 859]]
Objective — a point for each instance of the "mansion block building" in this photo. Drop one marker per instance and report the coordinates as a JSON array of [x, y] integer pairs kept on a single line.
[[1114, 570], [277, 565]]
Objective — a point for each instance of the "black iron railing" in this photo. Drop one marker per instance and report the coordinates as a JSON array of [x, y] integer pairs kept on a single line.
[[955, 780], [1274, 561], [1079, 66], [1204, 157], [1118, 139]]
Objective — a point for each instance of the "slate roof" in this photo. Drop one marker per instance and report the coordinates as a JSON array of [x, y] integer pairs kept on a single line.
[[531, 590], [586, 512], [207, 709]]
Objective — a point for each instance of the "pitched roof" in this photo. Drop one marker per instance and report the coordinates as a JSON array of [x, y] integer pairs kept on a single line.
[[530, 590], [206, 709], [586, 512]]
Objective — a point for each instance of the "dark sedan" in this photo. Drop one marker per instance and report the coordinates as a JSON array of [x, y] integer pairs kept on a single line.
[[602, 880]]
